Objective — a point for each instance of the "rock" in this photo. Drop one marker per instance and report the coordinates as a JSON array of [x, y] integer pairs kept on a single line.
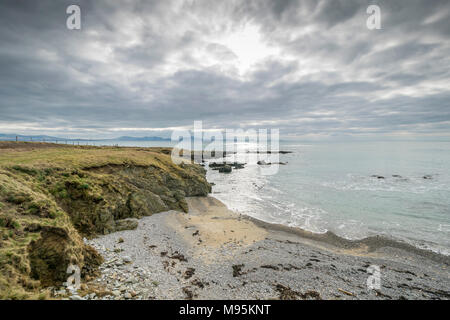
[[131, 280], [263, 163], [377, 176], [428, 177], [126, 224], [237, 165], [225, 169], [221, 166], [75, 297], [116, 293], [127, 259], [127, 295], [215, 165], [120, 240], [270, 152]]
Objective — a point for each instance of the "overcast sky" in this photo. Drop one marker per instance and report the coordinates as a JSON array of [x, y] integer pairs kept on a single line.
[[310, 68]]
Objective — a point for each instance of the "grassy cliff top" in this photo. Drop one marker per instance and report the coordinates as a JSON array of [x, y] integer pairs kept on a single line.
[[45, 155], [53, 195]]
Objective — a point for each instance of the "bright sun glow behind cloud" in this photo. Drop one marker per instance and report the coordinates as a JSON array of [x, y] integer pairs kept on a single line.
[[249, 47]]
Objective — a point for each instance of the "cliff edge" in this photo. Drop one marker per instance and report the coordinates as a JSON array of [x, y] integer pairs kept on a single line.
[[51, 196]]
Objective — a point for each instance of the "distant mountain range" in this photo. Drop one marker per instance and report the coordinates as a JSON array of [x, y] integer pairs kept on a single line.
[[12, 137], [126, 138]]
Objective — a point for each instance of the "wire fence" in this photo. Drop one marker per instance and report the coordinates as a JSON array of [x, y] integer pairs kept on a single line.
[[75, 142]]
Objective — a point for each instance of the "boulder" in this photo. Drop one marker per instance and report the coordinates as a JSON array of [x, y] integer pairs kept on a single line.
[[126, 224], [225, 169], [238, 165], [263, 163]]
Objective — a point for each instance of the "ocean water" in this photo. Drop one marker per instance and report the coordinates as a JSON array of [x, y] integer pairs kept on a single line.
[[329, 186]]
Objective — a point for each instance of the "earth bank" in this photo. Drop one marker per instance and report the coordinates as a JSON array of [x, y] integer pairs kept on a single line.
[[51, 196]]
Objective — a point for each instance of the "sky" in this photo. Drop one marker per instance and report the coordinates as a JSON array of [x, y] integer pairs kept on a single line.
[[311, 69]]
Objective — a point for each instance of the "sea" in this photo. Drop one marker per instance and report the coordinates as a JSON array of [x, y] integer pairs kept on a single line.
[[397, 189]]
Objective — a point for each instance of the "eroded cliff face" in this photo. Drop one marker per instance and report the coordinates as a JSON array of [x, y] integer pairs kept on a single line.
[[47, 207], [96, 198]]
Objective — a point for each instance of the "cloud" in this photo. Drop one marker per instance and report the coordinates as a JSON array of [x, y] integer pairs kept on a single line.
[[305, 67]]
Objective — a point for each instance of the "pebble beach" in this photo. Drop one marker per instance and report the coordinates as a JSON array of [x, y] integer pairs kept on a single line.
[[214, 253]]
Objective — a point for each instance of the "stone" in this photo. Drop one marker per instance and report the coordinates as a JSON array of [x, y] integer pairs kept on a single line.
[[225, 169], [116, 293], [126, 224]]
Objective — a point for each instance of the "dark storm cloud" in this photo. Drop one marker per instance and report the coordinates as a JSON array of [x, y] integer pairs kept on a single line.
[[310, 68]]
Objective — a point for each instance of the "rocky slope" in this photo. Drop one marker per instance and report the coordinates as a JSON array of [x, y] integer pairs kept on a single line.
[[51, 196]]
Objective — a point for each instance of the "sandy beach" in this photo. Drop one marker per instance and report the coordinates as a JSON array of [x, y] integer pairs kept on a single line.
[[214, 253]]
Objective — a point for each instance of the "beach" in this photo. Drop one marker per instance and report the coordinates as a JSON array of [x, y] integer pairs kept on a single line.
[[139, 226], [213, 253]]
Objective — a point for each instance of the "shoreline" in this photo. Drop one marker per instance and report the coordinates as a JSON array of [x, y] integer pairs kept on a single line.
[[372, 242], [329, 238], [214, 253]]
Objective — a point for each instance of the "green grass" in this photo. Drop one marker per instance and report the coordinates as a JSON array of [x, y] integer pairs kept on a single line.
[[77, 191]]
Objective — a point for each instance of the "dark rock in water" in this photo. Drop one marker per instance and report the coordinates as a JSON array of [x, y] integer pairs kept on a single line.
[[215, 165], [237, 165], [396, 176], [219, 166], [428, 177], [270, 152], [225, 169], [377, 176], [263, 163]]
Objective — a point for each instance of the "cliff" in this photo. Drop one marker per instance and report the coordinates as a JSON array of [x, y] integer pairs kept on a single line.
[[51, 196]]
